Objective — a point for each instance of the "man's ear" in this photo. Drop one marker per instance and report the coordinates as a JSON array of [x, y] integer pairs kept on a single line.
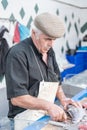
[[33, 34]]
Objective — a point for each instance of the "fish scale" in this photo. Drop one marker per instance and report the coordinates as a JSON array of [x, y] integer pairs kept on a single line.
[[76, 114]]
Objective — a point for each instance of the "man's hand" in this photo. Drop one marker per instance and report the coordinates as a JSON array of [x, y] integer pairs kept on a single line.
[[65, 102], [85, 105], [57, 113]]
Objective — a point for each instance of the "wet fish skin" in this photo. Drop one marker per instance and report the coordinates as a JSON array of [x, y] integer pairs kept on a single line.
[[75, 113]]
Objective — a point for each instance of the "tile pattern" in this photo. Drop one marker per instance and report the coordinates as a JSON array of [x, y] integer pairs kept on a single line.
[[72, 23], [4, 4], [22, 13]]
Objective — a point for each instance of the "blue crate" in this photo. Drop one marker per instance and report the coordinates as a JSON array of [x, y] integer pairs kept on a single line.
[[80, 61], [78, 58], [74, 70], [70, 58], [79, 68], [85, 66], [67, 71]]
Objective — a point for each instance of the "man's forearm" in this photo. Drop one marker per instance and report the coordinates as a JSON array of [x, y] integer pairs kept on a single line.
[[60, 94], [29, 102], [65, 100]]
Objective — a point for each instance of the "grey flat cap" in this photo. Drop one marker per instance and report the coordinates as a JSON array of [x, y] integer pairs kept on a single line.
[[50, 25]]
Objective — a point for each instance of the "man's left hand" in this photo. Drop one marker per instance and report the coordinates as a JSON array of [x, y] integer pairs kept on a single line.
[[65, 102]]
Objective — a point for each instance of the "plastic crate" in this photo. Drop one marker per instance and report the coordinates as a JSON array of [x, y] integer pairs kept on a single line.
[[79, 68], [70, 58]]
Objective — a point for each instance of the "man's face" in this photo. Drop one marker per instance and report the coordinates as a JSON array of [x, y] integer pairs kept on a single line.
[[44, 43]]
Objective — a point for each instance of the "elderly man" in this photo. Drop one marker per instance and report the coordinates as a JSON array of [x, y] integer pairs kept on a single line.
[[30, 62]]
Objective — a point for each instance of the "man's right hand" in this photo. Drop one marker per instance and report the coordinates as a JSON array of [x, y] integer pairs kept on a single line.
[[57, 113]]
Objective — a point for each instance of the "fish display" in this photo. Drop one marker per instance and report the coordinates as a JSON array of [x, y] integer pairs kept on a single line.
[[75, 113]]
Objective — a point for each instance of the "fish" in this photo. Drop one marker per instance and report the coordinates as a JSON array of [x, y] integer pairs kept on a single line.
[[76, 113]]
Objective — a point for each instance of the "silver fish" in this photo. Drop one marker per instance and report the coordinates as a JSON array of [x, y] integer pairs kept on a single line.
[[75, 113]]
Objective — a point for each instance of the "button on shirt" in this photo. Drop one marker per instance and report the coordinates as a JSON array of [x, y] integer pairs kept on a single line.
[[24, 66]]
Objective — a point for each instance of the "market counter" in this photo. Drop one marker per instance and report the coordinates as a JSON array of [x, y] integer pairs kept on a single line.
[[42, 123]]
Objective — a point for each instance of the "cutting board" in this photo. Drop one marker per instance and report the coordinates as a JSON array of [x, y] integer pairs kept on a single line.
[[51, 127]]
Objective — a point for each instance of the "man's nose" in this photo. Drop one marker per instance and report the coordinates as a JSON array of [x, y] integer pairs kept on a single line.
[[51, 42]]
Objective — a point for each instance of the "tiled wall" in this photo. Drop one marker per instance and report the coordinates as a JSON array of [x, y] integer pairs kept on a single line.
[[24, 11], [75, 19]]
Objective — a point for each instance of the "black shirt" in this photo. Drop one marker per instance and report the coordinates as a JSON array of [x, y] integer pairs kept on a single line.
[[23, 73]]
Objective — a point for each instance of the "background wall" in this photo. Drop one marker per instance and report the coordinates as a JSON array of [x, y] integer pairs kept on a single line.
[[74, 14]]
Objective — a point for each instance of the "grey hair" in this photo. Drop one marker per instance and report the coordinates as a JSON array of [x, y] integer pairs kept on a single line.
[[38, 32]]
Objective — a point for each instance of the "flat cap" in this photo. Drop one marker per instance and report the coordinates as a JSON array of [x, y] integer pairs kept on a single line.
[[50, 25]]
